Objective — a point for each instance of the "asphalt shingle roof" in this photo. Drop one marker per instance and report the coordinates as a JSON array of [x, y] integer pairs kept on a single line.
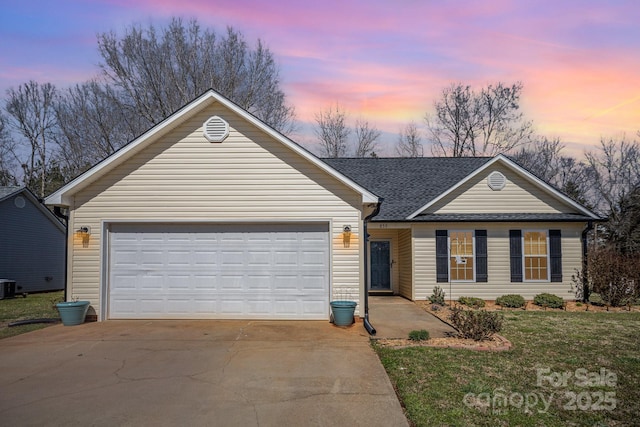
[[406, 184], [7, 191]]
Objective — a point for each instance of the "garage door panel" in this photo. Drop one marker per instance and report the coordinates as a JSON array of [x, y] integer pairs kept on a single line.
[[219, 271], [311, 284], [202, 283]]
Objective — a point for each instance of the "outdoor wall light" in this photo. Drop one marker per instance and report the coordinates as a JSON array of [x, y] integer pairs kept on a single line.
[[346, 236], [82, 235]]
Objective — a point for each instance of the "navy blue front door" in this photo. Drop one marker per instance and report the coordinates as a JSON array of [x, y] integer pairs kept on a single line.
[[380, 265]]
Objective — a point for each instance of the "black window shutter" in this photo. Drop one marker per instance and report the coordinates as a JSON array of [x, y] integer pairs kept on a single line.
[[442, 256], [515, 250], [555, 252], [481, 256]]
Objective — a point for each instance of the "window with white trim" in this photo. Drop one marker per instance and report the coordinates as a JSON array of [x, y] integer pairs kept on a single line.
[[535, 254], [461, 256]]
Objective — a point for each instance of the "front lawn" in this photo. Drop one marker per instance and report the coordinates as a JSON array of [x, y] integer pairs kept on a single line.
[[565, 369], [34, 306]]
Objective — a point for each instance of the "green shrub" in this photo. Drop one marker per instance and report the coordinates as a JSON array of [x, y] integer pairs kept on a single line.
[[596, 299], [421, 335], [511, 300], [548, 300], [471, 302], [438, 296], [476, 324]]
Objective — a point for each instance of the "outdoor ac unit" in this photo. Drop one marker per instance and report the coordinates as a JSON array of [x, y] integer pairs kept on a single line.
[[7, 288]]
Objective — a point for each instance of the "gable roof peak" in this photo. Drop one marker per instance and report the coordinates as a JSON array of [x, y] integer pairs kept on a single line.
[[62, 197]]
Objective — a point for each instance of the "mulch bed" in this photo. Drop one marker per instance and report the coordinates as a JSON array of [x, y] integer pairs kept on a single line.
[[497, 342]]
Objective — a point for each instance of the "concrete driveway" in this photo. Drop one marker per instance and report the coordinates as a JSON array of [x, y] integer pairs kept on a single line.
[[246, 373]]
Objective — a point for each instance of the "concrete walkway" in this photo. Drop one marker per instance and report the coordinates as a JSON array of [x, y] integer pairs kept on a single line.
[[195, 373], [395, 317]]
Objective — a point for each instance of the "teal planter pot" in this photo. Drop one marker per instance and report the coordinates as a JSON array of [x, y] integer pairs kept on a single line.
[[343, 312], [73, 312]]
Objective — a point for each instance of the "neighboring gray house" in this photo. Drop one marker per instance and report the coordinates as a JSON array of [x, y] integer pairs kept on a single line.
[[31, 242]]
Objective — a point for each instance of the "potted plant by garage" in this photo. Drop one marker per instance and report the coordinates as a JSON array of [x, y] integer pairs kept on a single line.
[[342, 311], [72, 312]]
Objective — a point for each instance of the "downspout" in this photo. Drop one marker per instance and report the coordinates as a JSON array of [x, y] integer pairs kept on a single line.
[[367, 325], [585, 262], [58, 212]]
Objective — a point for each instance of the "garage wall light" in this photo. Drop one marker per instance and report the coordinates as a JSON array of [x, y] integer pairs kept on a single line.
[[82, 235], [346, 236]]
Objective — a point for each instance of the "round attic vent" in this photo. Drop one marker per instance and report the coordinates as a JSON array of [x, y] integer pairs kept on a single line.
[[19, 202], [496, 181], [216, 129]]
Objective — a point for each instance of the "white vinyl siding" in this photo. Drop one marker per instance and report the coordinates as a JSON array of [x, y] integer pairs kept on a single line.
[[518, 196], [405, 264], [182, 177], [498, 259]]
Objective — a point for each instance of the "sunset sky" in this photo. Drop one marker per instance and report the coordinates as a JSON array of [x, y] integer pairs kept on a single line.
[[385, 61]]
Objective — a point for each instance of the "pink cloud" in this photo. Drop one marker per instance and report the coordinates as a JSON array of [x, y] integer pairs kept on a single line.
[[388, 61]]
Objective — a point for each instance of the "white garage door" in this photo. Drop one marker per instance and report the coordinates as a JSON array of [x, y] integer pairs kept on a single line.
[[226, 271]]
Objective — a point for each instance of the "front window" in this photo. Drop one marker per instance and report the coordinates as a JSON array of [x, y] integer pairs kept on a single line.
[[461, 260], [535, 255]]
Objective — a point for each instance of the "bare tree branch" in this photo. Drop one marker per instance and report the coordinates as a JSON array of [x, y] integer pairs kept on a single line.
[[91, 126], [410, 142], [7, 155], [31, 110], [614, 173], [485, 123], [157, 71], [366, 137], [332, 131], [544, 158]]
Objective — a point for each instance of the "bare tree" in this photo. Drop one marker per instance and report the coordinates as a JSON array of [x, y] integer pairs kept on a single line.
[[91, 126], [544, 158], [7, 154], [614, 175], [31, 110], [485, 123], [157, 71], [366, 137], [332, 131], [410, 142]]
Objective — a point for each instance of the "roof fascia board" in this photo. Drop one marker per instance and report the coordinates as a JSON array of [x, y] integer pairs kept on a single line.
[[62, 197], [517, 169]]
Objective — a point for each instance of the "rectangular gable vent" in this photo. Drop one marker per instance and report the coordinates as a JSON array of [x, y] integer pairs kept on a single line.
[[216, 129]]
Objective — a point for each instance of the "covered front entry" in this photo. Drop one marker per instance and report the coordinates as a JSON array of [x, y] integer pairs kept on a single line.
[[390, 260], [184, 271]]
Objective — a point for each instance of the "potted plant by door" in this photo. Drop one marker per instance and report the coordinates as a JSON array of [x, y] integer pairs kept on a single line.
[[72, 312], [342, 312]]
